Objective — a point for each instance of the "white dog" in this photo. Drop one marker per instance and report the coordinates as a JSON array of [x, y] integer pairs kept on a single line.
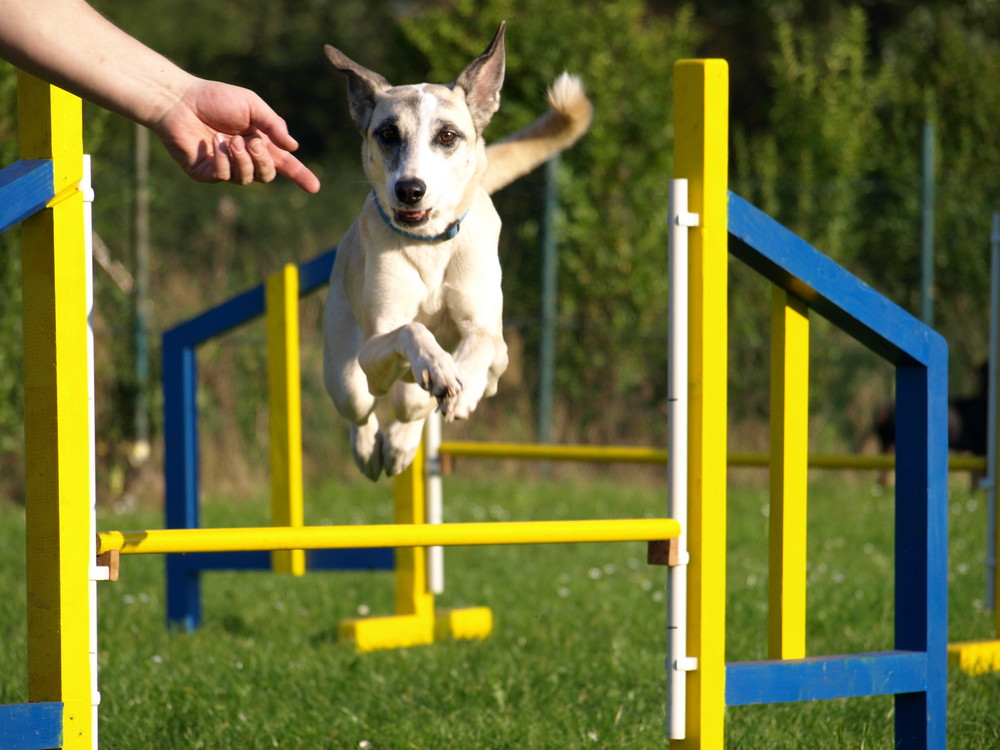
[[414, 308]]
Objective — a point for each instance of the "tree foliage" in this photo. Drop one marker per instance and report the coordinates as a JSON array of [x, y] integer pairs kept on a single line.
[[827, 106]]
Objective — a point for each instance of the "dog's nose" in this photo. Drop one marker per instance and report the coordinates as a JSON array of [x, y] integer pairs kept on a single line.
[[410, 192]]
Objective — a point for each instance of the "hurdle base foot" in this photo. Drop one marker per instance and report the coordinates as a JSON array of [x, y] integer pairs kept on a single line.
[[975, 657], [405, 631]]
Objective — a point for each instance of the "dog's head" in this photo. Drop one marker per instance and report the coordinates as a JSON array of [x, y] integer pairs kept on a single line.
[[423, 147]]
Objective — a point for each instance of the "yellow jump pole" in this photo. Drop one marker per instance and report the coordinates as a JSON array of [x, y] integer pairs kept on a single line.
[[60, 540], [285, 406], [408, 536], [786, 637], [701, 123]]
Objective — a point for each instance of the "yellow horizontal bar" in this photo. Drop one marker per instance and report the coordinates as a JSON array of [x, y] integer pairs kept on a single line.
[[623, 454], [386, 535], [594, 453]]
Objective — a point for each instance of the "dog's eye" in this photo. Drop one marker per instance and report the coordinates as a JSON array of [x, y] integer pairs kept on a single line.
[[447, 137], [388, 134]]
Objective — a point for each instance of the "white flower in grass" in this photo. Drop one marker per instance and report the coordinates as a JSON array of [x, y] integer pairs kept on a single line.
[[363, 610]]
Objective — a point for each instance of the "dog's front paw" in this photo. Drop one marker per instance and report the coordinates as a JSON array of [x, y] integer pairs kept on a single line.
[[439, 377], [366, 448]]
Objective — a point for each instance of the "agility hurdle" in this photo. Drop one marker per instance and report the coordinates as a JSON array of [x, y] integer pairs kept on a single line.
[[48, 192]]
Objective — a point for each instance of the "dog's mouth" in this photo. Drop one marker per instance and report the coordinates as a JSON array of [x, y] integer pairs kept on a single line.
[[412, 218]]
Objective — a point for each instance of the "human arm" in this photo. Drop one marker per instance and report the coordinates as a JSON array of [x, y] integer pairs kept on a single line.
[[215, 131]]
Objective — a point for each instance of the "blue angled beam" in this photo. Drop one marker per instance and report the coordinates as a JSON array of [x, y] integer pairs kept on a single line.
[[787, 260], [26, 187]]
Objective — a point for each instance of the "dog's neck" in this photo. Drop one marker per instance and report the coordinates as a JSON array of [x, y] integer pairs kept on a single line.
[[448, 234]]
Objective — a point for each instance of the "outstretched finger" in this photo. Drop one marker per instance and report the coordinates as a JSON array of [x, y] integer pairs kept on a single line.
[[294, 170], [268, 122]]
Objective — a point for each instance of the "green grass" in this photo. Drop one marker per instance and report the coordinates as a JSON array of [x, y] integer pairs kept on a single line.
[[576, 659]]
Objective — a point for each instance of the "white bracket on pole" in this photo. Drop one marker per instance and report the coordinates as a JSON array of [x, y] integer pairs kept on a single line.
[[678, 662]]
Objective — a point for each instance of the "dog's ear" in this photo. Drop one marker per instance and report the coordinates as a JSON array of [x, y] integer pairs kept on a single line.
[[362, 85], [483, 79]]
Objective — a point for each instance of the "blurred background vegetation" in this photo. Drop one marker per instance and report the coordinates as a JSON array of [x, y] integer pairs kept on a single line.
[[827, 107]]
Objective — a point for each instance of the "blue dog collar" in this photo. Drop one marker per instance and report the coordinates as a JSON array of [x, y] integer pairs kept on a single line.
[[447, 234]]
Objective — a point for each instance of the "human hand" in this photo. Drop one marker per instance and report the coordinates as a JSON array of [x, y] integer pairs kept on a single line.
[[223, 133]]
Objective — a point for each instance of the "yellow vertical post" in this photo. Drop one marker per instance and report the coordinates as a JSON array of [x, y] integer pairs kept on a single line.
[[59, 538], [413, 623], [701, 118], [413, 597], [786, 632], [285, 406]]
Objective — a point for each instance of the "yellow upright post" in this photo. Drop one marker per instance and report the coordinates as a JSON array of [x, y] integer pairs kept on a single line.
[[413, 624], [59, 539], [701, 117], [413, 596], [786, 634], [285, 402]]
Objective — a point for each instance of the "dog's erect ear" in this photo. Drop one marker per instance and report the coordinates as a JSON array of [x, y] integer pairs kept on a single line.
[[362, 85], [483, 79]]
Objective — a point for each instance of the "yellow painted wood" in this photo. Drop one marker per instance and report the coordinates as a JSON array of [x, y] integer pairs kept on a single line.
[[539, 452], [646, 455], [285, 408], [56, 417], [467, 624], [786, 632], [975, 657], [413, 597], [701, 126], [409, 535]]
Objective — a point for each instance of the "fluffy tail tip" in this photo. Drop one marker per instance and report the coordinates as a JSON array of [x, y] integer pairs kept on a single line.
[[568, 98]]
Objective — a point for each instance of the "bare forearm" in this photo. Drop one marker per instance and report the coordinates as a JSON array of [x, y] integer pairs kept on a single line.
[[70, 44]]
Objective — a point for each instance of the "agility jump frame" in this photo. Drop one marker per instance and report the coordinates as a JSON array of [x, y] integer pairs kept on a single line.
[[61, 562], [803, 279], [47, 192]]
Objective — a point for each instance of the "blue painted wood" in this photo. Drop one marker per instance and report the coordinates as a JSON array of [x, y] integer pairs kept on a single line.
[[793, 264], [31, 726], [180, 436], [921, 519], [916, 673], [26, 187], [375, 558], [316, 272], [220, 319], [316, 559], [825, 677]]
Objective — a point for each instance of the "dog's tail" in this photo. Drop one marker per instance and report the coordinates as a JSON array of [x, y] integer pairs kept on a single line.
[[556, 130]]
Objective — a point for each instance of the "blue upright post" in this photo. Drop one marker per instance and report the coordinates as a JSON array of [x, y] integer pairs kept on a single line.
[[922, 542], [180, 429]]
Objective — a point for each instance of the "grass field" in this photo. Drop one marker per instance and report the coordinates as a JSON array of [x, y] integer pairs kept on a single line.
[[576, 659]]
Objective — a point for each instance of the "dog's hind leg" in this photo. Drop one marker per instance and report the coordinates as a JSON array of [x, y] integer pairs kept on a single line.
[[347, 384], [401, 438]]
